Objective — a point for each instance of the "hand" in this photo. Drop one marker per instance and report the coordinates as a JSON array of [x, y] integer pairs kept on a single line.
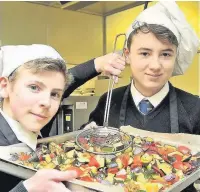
[[49, 180], [90, 125], [110, 64]]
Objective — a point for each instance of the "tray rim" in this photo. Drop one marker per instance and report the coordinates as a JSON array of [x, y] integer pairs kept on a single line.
[[177, 187]]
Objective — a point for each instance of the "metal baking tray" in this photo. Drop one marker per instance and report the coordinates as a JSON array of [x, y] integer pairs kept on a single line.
[[25, 172]]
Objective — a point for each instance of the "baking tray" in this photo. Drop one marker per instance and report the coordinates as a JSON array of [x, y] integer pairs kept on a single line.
[[26, 172], [188, 140]]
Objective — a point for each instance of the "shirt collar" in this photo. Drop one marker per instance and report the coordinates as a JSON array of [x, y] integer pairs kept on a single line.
[[155, 100], [23, 135]]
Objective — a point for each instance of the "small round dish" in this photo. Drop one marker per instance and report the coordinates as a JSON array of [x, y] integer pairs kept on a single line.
[[103, 140]]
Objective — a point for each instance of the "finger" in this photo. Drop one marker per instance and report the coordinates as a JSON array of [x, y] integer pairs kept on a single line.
[[113, 71], [122, 59], [88, 126], [117, 56], [66, 175], [91, 125], [56, 175], [118, 65], [115, 78], [116, 62]]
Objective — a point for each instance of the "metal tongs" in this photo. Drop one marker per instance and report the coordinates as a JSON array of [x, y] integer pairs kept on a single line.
[[111, 83]]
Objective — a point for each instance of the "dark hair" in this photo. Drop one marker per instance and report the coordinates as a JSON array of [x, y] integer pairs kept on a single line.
[[162, 33]]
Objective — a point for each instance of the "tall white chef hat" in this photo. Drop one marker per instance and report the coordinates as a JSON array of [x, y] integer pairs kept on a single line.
[[168, 14], [12, 57]]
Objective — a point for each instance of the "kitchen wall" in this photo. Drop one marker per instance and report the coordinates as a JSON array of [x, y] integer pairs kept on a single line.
[[76, 36]]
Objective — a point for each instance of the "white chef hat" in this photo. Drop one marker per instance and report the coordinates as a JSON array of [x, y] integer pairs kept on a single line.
[[168, 14], [12, 57]]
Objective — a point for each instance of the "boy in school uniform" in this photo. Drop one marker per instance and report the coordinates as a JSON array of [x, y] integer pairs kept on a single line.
[[33, 80], [160, 44]]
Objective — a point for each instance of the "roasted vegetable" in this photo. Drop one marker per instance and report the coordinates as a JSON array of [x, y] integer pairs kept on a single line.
[[149, 166], [97, 161], [141, 178], [146, 158], [108, 149], [184, 150], [186, 158], [137, 140], [165, 167], [110, 178], [112, 165], [137, 150]]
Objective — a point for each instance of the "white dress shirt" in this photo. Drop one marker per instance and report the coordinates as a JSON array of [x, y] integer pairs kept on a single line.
[[23, 135], [155, 100]]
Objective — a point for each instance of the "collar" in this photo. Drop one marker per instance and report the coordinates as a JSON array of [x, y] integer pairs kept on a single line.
[[23, 135], [155, 100]]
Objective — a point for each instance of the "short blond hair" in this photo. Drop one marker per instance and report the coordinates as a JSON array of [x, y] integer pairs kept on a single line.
[[44, 64]]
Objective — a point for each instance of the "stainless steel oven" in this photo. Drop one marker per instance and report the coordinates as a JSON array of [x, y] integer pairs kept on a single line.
[[66, 119], [73, 113]]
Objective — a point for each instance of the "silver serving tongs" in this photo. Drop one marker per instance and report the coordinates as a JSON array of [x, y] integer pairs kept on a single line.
[[111, 83]]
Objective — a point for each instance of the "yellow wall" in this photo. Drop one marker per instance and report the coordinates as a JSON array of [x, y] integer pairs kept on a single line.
[[119, 23], [76, 36], [199, 48]]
